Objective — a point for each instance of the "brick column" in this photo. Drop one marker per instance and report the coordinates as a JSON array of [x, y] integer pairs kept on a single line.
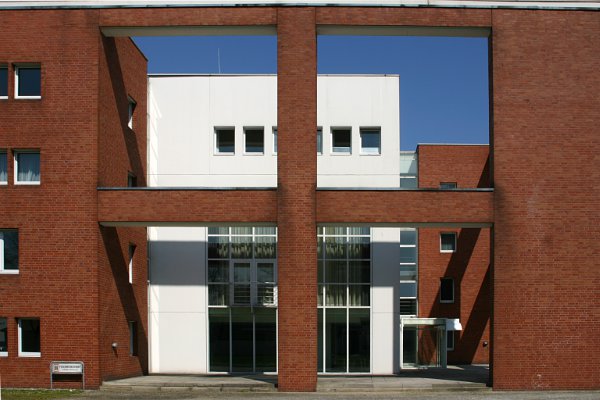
[[296, 198]]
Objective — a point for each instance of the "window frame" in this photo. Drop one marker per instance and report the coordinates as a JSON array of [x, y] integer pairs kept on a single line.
[[5, 66], [362, 149], [131, 105], [216, 131], [4, 271], [16, 154], [451, 280], [319, 134], [254, 153], [28, 354], [455, 240], [335, 152], [17, 68], [5, 152], [274, 129]]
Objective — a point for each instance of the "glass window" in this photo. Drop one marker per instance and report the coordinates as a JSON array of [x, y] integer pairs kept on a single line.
[[29, 337], [449, 340], [225, 141], [3, 337], [9, 250], [408, 306], [275, 140], [3, 81], [28, 81], [319, 141], [131, 180], [341, 139], [255, 140], [130, 110], [133, 338], [130, 265], [408, 255], [448, 185], [408, 182], [370, 141], [27, 167], [448, 242], [447, 290], [3, 167], [408, 289]]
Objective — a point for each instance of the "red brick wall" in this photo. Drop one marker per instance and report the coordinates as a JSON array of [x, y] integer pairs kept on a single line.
[[57, 219], [296, 199], [468, 166], [546, 173], [121, 149]]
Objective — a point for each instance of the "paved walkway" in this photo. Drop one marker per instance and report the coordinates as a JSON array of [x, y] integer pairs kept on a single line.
[[471, 377]]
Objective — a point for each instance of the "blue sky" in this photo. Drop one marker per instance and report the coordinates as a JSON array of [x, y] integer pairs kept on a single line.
[[443, 81]]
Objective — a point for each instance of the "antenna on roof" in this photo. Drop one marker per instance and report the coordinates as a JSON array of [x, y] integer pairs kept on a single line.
[[219, 59]]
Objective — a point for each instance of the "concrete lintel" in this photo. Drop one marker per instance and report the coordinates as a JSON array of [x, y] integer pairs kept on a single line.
[[127, 31], [343, 30]]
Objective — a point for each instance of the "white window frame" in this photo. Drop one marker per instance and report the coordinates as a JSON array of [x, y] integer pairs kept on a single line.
[[370, 151], [131, 104], [17, 67], [2, 270], [16, 167], [445, 278], [132, 248], [28, 353], [338, 152], [5, 152], [320, 133], [254, 153], [2, 66], [275, 141], [448, 233], [5, 353], [216, 131]]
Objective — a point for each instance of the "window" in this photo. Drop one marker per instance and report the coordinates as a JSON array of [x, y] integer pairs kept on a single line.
[[130, 110], [133, 338], [3, 337], [275, 140], [28, 81], [9, 251], [131, 180], [3, 82], [254, 140], [27, 167], [29, 337], [3, 168], [319, 140], [370, 141], [341, 139], [449, 340], [130, 265], [447, 290], [447, 185], [408, 170], [224, 140], [408, 271], [448, 242]]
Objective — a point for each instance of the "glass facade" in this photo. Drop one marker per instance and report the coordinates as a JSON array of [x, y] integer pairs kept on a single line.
[[408, 272], [344, 299]]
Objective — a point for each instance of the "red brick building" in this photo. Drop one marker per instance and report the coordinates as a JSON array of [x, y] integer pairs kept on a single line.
[[75, 234]]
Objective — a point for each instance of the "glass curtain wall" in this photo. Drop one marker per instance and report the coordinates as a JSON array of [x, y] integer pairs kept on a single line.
[[344, 299], [242, 299]]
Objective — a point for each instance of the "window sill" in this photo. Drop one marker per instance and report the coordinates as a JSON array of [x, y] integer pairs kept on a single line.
[[3, 183], [3, 97], [224, 154], [28, 183], [30, 355], [370, 154], [9, 272], [28, 97], [447, 251], [255, 154], [3, 353], [339, 153], [446, 301]]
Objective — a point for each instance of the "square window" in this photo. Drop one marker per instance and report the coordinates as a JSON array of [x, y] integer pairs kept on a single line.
[[274, 140], [448, 242], [341, 139], [224, 140], [27, 167], [9, 251], [447, 290], [319, 140], [3, 337], [449, 340], [408, 289], [28, 82], [3, 168], [254, 140], [130, 110], [370, 141], [448, 185], [408, 306], [3, 82], [29, 337]]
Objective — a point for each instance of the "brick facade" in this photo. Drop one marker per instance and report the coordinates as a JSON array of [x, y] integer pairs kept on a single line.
[[545, 114]]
